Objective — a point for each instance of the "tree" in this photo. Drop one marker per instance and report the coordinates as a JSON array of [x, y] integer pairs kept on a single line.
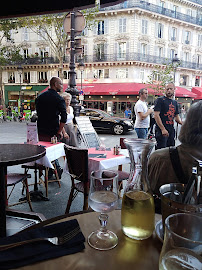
[[160, 76], [9, 53], [50, 29]]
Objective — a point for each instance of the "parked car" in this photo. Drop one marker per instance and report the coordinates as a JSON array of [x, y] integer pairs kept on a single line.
[[103, 121]]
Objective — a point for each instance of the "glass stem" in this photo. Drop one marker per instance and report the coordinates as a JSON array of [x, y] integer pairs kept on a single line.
[[103, 222]]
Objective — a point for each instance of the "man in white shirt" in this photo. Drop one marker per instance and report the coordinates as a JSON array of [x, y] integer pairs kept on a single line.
[[142, 114]]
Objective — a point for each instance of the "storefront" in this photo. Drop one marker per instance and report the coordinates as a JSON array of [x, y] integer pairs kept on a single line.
[[14, 97]]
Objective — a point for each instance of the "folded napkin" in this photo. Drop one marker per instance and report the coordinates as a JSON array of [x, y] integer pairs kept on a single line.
[[41, 250]]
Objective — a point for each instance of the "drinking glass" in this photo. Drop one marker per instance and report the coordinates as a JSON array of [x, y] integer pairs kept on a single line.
[[182, 246], [103, 198]]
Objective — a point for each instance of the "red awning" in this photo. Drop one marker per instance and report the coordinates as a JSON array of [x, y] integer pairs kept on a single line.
[[182, 92], [197, 91], [117, 89]]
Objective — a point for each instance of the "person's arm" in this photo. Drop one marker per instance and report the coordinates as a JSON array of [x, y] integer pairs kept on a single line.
[[178, 119], [65, 135], [144, 115], [160, 124]]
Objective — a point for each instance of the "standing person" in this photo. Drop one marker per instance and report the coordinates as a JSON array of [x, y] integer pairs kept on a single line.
[[49, 106], [142, 114], [127, 113], [69, 136], [165, 111]]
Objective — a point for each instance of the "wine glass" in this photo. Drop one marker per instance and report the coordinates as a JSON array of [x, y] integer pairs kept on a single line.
[[103, 198], [182, 246]]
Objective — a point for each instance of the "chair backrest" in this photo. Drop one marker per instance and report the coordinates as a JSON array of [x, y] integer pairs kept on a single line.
[[122, 144], [77, 161]]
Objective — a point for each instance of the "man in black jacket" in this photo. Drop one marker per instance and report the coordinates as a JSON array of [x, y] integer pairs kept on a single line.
[[49, 106]]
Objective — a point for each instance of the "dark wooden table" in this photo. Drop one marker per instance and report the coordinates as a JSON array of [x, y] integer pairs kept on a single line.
[[128, 254], [14, 154]]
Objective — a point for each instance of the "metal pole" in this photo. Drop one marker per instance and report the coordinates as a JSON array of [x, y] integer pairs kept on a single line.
[[72, 74]]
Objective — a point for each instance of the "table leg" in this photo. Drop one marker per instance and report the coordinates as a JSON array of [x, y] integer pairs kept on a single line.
[[37, 195], [2, 203]]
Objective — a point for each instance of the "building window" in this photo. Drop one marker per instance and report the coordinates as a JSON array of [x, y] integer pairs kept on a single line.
[[175, 9], [100, 51], [11, 77], [100, 30], [200, 40], [160, 52], [25, 34], [101, 73], [198, 60], [186, 56], [144, 27], [144, 49], [122, 25], [65, 74], [173, 34], [26, 54], [121, 50], [183, 80], [157, 77], [197, 81], [121, 73], [124, 4], [26, 77], [41, 34], [42, 77], [172, 53], [142, 72], [160, 30], [187, 35]]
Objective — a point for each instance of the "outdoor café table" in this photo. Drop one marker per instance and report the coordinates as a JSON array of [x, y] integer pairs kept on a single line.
[[14, 154], [128, 254], [53, 152], [107, 162]]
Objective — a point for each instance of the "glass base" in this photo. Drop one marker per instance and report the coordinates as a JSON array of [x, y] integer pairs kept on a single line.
[[102, 240]]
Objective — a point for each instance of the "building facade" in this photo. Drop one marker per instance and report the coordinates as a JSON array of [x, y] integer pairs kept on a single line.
[[126, 44]]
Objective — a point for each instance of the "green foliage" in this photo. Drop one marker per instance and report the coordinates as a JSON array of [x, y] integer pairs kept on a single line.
[[160, 76], [90, 15], [10, 55]]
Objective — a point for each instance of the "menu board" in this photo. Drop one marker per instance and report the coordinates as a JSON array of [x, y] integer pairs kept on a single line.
[[87, 132]]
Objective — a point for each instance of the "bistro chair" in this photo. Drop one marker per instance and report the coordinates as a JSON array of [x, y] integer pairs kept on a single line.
[[12, 180], [42, 172], [77, 162]]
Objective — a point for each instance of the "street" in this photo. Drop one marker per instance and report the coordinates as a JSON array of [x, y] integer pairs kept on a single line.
[[15, 132]]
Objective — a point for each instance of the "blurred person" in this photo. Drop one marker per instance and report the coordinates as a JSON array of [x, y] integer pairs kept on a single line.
[[142, 113], [127, 113], [160, 168], [49, 106], [165, 112], [69, 136]]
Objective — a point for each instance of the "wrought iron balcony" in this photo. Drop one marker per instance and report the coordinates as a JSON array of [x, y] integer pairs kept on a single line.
[[110, 58], [139, 57], [160, 10]]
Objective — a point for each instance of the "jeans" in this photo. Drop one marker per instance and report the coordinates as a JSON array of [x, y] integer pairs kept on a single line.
[[141, 132]]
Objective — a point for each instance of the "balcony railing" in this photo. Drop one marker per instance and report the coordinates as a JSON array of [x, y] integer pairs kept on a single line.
[[160, 10], [139, 57], [111, 58]]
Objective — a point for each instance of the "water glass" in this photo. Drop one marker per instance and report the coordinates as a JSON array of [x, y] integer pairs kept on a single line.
[[182, 246]]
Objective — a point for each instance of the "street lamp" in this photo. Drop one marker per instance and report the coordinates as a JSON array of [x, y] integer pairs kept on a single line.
[[175, 62], [20, 71], [81, 68]]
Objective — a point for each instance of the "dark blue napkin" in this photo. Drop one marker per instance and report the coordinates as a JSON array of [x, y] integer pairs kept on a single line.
[[42, 250]]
